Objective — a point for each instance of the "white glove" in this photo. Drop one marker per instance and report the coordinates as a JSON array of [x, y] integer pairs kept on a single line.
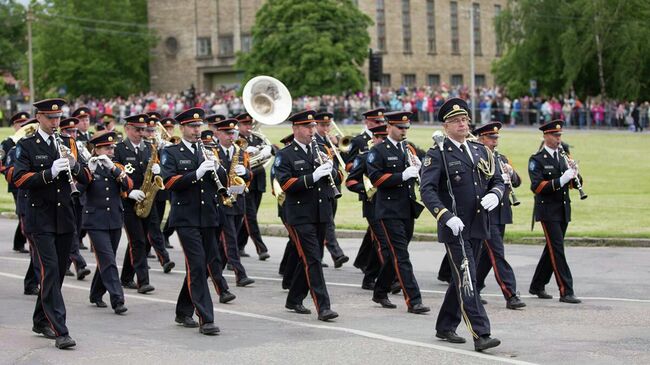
[[322, 171], [252, 149], [410, 172], [204, 167], [240, 170], [456, 225], [106, 162], [490, 201], [155, 169], [506, 178], [92, 164], [59, 165], [267, 151], [567, 176], [137, 195]]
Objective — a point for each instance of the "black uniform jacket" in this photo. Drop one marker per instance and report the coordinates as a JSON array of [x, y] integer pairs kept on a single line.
[[306, 201], [103, 208], [258, 181], [125, 155], [468, 184], [395, 199], [48, 208], [354, 183], [358, 144], [194, 202], [502, 214]]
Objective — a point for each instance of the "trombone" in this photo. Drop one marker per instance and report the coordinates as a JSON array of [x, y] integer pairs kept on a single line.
[[345, 142]]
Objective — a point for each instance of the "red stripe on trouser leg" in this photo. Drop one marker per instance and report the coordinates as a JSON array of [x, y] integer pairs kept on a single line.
[[551, 253], [225, 250], [189, 281], [158, 255], [214, 281], [504, 289], [40, 261], [377, 244], [301, 254], [399, 276]]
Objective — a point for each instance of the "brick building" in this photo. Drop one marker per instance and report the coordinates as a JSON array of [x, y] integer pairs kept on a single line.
[[423, 42]]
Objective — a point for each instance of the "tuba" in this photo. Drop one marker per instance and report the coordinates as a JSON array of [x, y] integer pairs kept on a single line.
[[267, 100], [258, 158], [150, 186]]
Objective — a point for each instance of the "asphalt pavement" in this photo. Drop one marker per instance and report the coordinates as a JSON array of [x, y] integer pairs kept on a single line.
[[612, 325]]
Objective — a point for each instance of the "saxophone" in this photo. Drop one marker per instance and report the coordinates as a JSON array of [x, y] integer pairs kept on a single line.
[[236, 184], [150, 186]]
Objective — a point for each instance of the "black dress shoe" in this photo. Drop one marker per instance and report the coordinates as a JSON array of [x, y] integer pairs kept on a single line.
[[486, 342], [444, 279], [264, 256], [340, 261], [82, 246], [570, 299], [64, 342], [322, 264], [120, 309], [167, 244], [326, 315], [243, 253], [395, 288], [82, 273], [450, 336], [46, 331], [226, 297], [129, 285], [385, 302], [483, 301], [21, 250], [31, 291], [168, 266], [245, 282], [298, 308], [150, 255], [514, 302], [145, 289], [187, 322], [100, 303], [368, 285], [69, 273], [229, 267], [209, 329], [541, 294], [419, 308]]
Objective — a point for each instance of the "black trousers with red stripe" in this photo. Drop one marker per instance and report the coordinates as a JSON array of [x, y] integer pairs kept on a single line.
[[331, 242], [106, 278], [135, 259], [370, 258], [155, 238], [201, 252], [395, 236], [553, 260], [250, 227], [493, 257], [51, 251], [19, 236], [308, 273], [456, 306], [228, 245], [33, 274]]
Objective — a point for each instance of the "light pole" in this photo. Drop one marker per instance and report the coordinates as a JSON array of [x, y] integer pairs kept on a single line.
[[29, 55]]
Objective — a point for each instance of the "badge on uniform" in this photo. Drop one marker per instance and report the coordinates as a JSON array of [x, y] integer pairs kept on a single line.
[[427, 161], [371, 157], [163, 158], [356, 163], [277, 161], [18, 149], [128, 168], [457, 178], [531, 165]]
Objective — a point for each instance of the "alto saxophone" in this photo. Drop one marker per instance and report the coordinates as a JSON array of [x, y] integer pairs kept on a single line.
[[233, 179], [150, 186]]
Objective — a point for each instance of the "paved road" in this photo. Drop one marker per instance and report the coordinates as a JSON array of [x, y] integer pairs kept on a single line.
[[611, 326]]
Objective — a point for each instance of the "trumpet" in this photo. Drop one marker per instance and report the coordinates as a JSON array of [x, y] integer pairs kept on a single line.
[[220, 188], [574, 165], [65, 152], [513, 198], [321, 160]]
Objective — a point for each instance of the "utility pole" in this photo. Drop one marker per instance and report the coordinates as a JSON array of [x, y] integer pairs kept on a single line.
[[471, 63], [29, 55]]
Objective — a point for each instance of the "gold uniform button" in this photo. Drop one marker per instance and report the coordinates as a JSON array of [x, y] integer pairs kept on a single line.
[[58, 204], [201, 190], [320, 200], [298, 202], [202, 202], [107, 198], [388, 198], [108, 209], [58, 190], [478, 211], [318, 189], [107, 188]]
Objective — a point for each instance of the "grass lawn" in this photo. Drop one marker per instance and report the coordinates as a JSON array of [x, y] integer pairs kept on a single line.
[[613, 164]]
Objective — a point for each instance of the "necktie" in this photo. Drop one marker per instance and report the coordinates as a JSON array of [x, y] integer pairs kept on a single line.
[[464, 149], [51, 143], [195, 151], [228, 154], [308, 150], [556, 158]]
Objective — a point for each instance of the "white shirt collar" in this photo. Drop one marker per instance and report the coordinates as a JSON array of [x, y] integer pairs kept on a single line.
[[550, 150], [395, 143], [229, 149], [457, 144], [367, 131], [303, 146], [188, 145], [138, 146], [44, 135]]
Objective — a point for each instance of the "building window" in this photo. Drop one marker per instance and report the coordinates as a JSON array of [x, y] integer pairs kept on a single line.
[[246, 42], [381, 26], [385, 80], [406, 25], [457, 80], [203, 47], [479, 80], [431, 27], [476, 25], [433, 79], [226, 48], [497, 11], [455, 45], [408, 80]]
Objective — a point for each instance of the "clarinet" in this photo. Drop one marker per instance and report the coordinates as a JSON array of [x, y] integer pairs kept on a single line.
[[220, 188], [321, 161], [513, 198], [64, 152], [576, 180]]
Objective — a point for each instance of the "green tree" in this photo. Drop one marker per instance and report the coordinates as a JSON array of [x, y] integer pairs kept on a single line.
[[314, 47], [595, 47], [12, 36], [91, 48]]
